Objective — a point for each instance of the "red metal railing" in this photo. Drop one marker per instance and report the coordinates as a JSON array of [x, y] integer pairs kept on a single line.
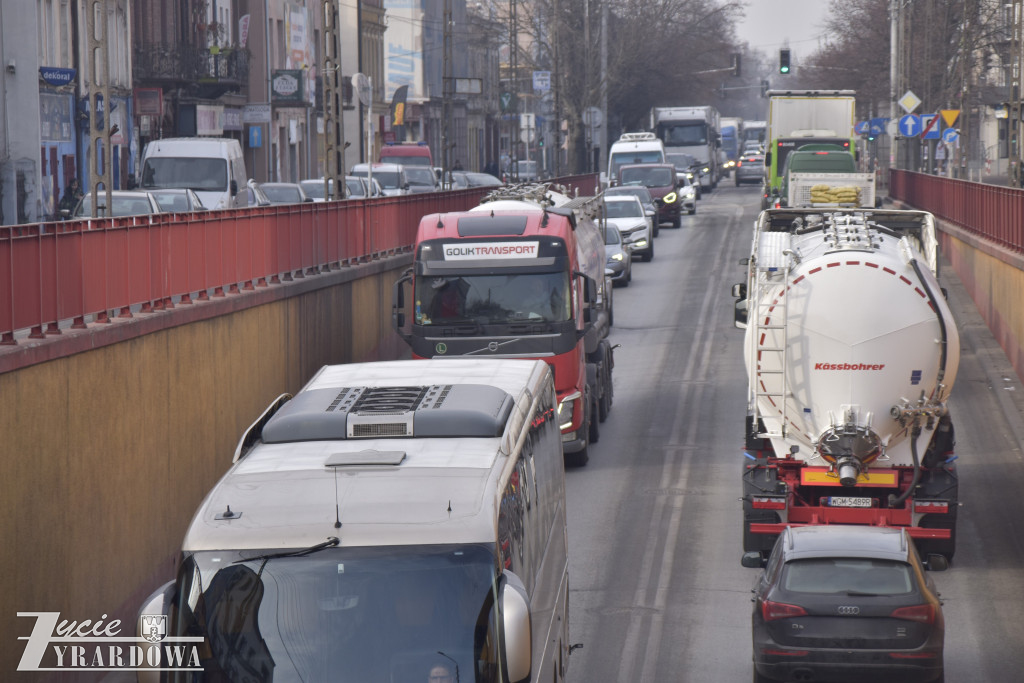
[[73, 270], [990, 211]]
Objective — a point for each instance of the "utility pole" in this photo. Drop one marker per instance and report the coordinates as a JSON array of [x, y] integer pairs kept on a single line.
[[556, 153], [1013, 122], [513, 61], [101, 152], [447, 88], [334, 130]]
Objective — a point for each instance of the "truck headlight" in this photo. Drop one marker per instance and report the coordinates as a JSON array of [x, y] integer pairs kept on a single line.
[[565, 410]]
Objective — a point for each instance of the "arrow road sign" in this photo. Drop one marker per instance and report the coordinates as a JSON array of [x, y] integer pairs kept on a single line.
[[931, 131], [877, 126], [910, 126], [950, 136]]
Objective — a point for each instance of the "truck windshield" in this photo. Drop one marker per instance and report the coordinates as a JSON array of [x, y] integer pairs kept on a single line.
[[366, 615], [493, 299], [199, 173], [683, 134]]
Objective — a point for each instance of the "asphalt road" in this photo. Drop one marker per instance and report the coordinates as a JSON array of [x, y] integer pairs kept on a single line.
[[657, 592]]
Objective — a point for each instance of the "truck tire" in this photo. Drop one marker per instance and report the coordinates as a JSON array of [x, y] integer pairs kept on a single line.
[[595, 425], [577, 459]]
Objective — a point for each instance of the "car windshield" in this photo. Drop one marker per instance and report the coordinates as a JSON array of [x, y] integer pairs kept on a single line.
[[848, 576], [648, 177], [339, 614], [123, 206], [199, 173], [355, 187], [642, 193], [623, 209], [314, 188], [612, 235], [171, 202], [493, 299], [681, 161], [387, 179], [282, 193], [422, 175]]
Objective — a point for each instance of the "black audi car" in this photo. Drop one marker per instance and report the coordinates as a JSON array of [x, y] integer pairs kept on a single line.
[[839, 604]]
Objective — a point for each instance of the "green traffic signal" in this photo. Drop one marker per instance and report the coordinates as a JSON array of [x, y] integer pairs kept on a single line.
[[784, 61]]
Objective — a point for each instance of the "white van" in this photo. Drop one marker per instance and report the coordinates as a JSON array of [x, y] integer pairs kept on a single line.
[[633, 148], [213, 167], [390, 520]]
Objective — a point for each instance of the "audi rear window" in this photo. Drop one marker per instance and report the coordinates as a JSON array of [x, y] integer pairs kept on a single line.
[[848, 576]]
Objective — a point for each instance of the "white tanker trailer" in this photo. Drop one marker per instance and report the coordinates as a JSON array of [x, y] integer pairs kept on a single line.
[[851, 355]]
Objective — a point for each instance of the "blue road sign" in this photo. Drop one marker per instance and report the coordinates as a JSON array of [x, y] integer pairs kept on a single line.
[[910, 126], [950, 136], [255, 136], [877, 126], [930, 129], [861, 128]]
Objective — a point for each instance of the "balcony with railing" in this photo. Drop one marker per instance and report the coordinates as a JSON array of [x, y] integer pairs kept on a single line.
[[213, 68]]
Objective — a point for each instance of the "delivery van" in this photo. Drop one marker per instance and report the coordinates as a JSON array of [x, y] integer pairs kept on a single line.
[[389, 521], [213, 167]]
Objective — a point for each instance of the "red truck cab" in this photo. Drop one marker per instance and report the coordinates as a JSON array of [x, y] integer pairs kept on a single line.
[[508, 284]]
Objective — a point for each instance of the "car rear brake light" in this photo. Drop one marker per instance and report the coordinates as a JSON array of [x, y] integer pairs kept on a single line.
[[784, 653], [768, 503], [780, 610], [921, 613], [934, 506]]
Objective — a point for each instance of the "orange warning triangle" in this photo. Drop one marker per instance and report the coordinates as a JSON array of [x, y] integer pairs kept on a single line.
[[949, 116]]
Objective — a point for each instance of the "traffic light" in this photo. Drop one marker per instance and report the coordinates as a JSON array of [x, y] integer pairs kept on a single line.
[[784, 61], [735, 63], [540, 143], [764, 88]]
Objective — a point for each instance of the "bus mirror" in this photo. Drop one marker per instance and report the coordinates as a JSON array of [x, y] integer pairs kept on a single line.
[[740, 314], [157, 604], [515, 615], [398, 306]]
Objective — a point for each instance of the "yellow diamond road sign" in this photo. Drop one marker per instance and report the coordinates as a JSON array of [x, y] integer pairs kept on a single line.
[[949, 116], [909, 101]]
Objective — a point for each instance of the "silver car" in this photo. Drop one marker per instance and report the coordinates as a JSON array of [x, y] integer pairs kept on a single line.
[[618, 259], [749, 168]]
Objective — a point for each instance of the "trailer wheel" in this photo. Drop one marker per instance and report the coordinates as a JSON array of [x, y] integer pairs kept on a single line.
[[577, 459]]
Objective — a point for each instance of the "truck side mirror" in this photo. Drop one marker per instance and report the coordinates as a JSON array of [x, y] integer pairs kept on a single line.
[[398, 306], [740, 314], [234, 187], [515, 619]]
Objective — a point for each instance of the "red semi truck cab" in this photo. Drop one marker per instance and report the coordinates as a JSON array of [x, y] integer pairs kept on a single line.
[[505, 284]]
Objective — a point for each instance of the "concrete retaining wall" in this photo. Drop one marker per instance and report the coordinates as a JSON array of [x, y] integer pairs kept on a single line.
[[108, 447]]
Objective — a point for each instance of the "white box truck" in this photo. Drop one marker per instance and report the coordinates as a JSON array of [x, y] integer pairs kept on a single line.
[[389, 521]]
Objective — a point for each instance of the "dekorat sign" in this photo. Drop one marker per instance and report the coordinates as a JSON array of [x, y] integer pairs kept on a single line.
[[57, 644]]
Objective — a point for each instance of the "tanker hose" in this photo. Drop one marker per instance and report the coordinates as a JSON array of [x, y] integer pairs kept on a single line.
[[914, 434], [938, 314]]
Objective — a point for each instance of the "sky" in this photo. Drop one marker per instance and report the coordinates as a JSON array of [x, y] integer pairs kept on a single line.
[[771, 24]]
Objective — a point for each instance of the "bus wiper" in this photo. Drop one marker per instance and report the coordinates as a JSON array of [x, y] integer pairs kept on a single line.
[[302, 552]]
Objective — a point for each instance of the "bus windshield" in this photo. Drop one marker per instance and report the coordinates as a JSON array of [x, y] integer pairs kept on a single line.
[[369, 614], [493, 299], [653, 156]]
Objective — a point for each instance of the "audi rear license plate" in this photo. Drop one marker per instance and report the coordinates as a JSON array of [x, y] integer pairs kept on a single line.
[[848, 502]]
